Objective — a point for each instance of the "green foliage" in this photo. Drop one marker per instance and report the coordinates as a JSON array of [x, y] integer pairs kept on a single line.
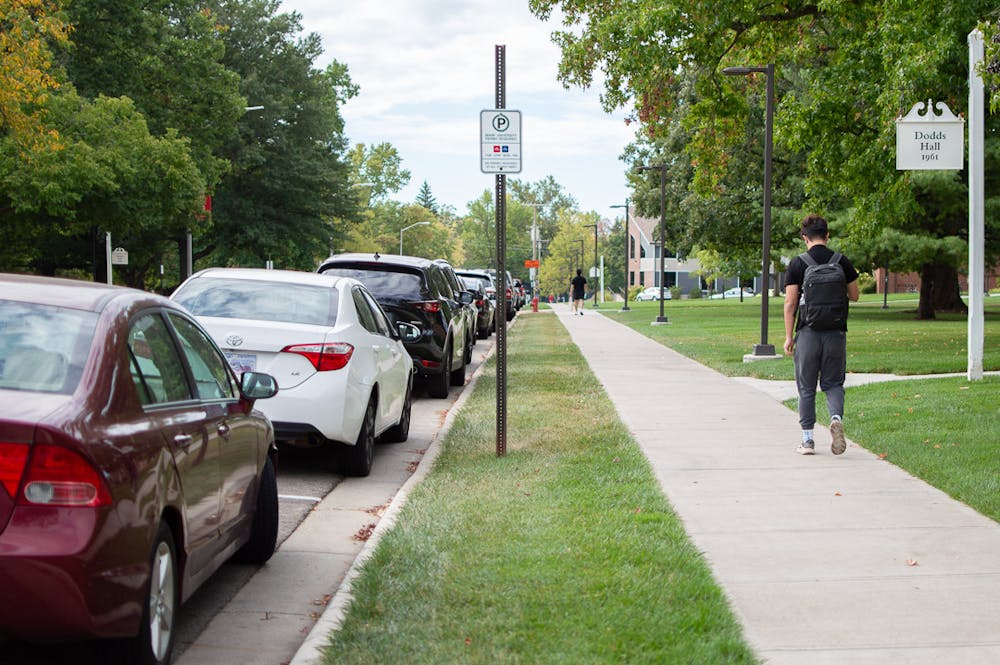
[[844, 72]]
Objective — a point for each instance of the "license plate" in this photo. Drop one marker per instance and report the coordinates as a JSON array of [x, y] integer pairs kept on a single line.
[[241, 362]]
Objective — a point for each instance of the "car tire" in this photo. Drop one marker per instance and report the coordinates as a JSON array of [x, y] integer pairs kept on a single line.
[[264, 530], [467, 357], [357, 460], [155, 642], [457, 376], [437, 385], [401, 431]]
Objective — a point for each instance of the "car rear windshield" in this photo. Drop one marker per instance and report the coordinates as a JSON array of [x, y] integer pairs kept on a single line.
[[384, 284], [260, 300], [43, 348]]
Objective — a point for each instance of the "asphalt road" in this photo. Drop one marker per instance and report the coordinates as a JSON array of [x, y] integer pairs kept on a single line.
[[302, 483]]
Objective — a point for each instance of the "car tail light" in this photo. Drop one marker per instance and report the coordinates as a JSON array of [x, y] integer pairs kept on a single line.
[[430, 364], [13, 457], [430, 306], [59, 476], [324, 357]]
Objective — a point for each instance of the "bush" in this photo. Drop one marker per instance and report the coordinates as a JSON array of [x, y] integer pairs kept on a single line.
[[675, 293], [634, 291], [695, 292], [866, 283]]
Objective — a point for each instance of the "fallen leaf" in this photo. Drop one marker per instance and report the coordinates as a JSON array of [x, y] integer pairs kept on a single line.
[[960, 387], [835, 493], [468, 640], [936, 445], [912, 562], [639, 510], [364, 533], [883, 455]]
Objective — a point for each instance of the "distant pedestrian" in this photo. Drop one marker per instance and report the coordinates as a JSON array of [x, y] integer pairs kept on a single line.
[[818, 286], [578, 284]]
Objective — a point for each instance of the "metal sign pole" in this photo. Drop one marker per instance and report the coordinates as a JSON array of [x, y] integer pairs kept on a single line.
[[502, 285]]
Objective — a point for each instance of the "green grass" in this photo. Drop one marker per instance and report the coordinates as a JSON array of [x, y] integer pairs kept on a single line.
[[943, 431], [563, 551], [718, 333]]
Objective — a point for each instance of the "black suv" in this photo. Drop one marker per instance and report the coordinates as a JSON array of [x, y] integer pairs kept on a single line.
[[416, 291]]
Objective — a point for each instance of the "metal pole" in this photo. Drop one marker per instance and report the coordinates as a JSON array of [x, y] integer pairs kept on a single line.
[[628, 239], [662, 318], [501, 242], [765, 349], [107, 255], [977, 234]]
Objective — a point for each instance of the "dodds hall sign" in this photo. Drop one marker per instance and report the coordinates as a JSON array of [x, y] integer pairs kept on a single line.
[[929, 137]]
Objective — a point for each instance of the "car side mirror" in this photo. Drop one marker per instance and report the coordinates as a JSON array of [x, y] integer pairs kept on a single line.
[[257, 385], [408, 332], [465, 298]]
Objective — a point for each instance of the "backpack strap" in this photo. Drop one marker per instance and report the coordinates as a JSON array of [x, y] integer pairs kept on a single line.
[[835, 259], [810, 261]]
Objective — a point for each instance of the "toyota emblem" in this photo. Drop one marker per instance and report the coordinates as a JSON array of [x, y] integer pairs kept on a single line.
[[234, 340]]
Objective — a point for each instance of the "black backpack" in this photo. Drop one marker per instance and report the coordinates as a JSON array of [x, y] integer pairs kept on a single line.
[[824, 294]]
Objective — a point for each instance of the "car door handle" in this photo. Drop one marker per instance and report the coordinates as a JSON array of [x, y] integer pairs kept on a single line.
[[224, 430], [183, 440]]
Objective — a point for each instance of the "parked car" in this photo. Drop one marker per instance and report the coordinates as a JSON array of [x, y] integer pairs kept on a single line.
[[471, 314], [652, 293], [485, 308], [344, 373], [132, 464], [732, 293], [511, 294], [415, 291]]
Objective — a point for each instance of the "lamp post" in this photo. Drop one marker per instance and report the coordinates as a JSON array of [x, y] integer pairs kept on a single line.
[[764, 349], [596, 269], [405, 228], [625, 307], [662, 318]]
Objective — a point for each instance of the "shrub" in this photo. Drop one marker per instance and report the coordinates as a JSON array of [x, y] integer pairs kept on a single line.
[[866, 283], [695, 292]]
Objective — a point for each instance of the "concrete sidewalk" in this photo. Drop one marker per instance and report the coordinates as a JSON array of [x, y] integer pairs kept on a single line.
[[824, 559]]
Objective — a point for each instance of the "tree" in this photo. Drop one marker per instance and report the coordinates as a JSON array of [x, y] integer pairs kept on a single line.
[[291, 177], [846, 70], [381, 166], [27, 29], [426, 199]]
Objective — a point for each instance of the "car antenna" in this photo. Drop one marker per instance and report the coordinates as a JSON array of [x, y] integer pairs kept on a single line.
[[377, 257]]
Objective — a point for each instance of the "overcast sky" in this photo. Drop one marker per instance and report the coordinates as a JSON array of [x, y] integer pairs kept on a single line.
[[426, 68]]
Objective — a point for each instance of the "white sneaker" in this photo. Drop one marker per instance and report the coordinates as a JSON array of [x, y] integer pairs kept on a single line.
[[806, 448], [839, 444]]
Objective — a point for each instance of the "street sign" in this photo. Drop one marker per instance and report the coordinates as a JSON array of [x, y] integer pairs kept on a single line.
[[500, 141], [529, 263], [119, 257], [930, 137]]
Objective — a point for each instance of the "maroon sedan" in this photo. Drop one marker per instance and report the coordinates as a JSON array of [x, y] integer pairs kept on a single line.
[[132, 464]]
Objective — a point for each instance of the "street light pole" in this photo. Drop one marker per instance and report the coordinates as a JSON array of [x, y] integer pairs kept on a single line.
[[596, 269], [662, 318], [764, 349], [406, 228], [625, 307]]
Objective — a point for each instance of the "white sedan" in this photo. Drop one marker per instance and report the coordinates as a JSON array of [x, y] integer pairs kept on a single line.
[[652, 293], [344, 377], [732, 293]]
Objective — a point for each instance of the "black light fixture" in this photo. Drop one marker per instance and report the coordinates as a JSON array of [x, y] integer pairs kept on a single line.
[[625, 307], [662, 318], [764, 349]]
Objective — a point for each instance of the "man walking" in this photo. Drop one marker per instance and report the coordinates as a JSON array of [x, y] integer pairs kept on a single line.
[[819, 284], [578, 286]]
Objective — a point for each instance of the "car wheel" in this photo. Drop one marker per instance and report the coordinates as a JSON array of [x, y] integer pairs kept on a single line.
[[357, 460], [438, 383], [457, 376], [155, 641], [468, 349], [264, 530], [401, 431]]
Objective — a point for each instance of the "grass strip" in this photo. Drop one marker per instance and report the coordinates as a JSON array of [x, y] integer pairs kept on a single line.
[[718, 333], [563, 551], [943, 431]]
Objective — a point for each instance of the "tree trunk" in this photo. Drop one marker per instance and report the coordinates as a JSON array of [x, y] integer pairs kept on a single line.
[[939, 291]]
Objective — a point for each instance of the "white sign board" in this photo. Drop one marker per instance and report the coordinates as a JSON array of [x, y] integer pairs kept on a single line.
[[119, 257], [500, 141], [930, 137]]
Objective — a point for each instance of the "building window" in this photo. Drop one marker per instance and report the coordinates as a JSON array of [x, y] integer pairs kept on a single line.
[[631, 246], [642, 279]]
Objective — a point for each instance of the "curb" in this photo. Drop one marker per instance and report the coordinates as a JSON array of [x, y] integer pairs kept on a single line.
[[310, 652]]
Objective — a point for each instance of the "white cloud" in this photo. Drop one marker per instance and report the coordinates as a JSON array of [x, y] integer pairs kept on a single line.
[[426, 67]]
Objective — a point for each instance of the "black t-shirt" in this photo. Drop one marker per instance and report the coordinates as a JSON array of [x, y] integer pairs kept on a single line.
[[578, 283], [821, 254]]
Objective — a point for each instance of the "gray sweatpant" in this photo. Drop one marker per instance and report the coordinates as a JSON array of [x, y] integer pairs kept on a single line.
[[820, 355]]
